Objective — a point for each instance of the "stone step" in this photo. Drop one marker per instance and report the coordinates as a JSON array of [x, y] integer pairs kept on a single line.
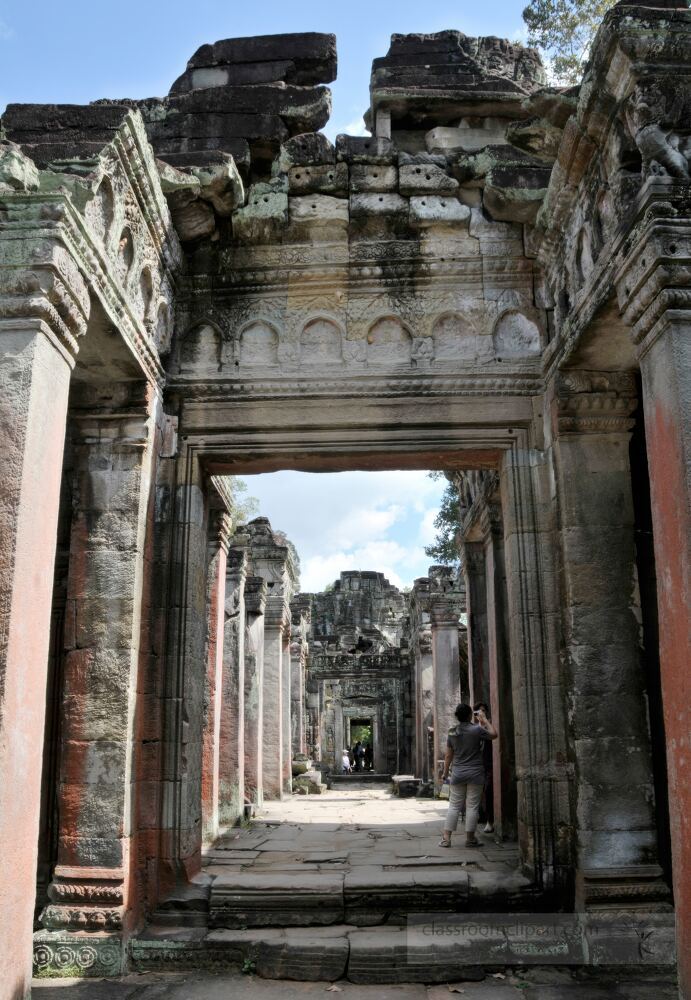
[[359, 778], [433, 949], [366, 896]]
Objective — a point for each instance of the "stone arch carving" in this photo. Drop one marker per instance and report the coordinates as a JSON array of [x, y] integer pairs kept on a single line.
[[200, 349], [146, 292], [125, 252], [258, 344], [388, 342], [515, 336], [455, 338], [162, 327], [321, 342], [100, 212]]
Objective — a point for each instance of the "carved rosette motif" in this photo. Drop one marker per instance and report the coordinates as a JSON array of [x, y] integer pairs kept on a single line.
[[595, 402], [60, 955]]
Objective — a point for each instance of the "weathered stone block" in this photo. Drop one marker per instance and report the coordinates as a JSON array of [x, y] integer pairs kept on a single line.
[[310, 956], [308, 149], [313, 54], [329, 178], [431, 210], [264, 215], [364, 149], [373, 178], [363, 206], [423, 178]]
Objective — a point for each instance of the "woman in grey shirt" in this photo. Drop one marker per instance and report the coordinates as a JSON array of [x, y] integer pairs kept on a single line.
[[464, 764]]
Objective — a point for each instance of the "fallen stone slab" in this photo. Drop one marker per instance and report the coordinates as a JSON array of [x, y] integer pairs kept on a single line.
[[312, 53]]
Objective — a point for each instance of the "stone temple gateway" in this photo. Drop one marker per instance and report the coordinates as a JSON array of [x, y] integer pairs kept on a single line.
[[496, 284]]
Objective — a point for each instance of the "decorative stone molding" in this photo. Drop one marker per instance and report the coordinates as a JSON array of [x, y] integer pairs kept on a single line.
[[61, 955], [594, 402], [634, 888], [85, 899], [223, 532], [255, 595]]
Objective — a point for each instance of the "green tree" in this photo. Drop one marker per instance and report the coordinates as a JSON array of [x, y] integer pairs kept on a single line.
[[564, 30], [245, 506], [444, 548]]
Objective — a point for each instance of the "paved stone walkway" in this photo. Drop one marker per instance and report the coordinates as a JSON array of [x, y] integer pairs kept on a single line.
[[349, 829], [534, 984]]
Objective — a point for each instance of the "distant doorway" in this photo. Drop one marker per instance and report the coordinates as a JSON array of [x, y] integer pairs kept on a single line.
[[362, 731]]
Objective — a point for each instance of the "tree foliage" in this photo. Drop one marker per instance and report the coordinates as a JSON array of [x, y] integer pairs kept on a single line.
[[564, 30], [245, 506], [444, 548]]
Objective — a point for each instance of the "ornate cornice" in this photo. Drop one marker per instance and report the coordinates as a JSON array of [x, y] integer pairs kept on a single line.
[[255, 595], [594, 402]]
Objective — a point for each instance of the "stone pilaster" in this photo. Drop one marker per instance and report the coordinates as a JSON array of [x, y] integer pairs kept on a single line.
[[423, 676], [655, 297], [499, 670], [255, 604], [216, 596], [615, 826], [93, 888], [276, 623], [476, 609], [446, 607], [43, 312], [300, 619], [231, 740]]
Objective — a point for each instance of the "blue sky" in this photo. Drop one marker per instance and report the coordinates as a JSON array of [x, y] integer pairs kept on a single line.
[[352, 520], [75, 51]]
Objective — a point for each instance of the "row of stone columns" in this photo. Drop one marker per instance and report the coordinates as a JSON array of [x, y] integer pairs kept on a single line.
[[256, 649]]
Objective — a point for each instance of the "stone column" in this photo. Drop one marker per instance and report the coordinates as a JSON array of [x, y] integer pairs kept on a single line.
[[286, 708], [255, 603], [300, 615], [665, 367], [476, 609], [37, 349], [216, 590], [231, 796], [615, 826], [423, 676], [276, 621], [499, 670], [93, 886], [445, 607]]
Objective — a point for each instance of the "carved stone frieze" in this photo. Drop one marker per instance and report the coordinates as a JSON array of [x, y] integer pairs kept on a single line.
[[595, 402]]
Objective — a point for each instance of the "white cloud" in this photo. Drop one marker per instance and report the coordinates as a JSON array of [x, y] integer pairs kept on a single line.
[[352, 520], [6, 32], [427, 529], [355, 126]]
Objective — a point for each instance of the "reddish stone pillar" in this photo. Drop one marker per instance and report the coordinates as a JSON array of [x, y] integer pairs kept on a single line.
[[94, 890], [255, 603], [216, 595], [665, 367], [35, 366], [232, 721]]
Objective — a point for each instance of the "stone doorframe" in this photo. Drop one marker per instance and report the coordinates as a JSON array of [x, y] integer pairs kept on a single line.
[[371, 712], [543, 771]]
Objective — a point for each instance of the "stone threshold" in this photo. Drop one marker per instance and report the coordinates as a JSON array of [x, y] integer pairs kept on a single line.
[[391, 955]]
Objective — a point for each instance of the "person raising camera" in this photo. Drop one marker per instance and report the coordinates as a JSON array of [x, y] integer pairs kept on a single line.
[[464, 766]]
